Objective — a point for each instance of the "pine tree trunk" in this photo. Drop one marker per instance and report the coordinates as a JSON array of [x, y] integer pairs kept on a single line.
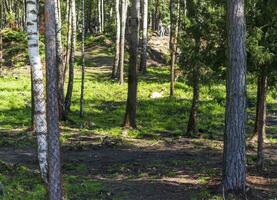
[[192, 123], [130, 114], [124, 6], [83, 61], [262, 117], [257, 108], [117, 42], [234, 169], [54, 162], [157, 15], [143, 61], [174, 11], [71, 62], [39, 115]]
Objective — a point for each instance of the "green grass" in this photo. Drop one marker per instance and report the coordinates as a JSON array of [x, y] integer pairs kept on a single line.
[[104, 112], [105, 105], [21, 183]]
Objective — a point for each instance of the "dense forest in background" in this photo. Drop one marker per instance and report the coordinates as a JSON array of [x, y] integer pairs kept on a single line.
[[172, 94]]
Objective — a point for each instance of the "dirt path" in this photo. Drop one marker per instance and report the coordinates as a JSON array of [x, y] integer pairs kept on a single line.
[[167, 169]]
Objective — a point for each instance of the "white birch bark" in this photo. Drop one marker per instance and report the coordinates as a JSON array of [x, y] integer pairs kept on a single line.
[[143, 62], [117, 42], [40, 124], [99, 16], [102, 15]]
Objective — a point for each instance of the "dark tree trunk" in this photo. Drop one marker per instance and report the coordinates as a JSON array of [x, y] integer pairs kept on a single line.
[[174, 11], [71, 62], [54, 162], [117, 42], [234, 170], [157, 15], [83, 61], [262, 117], [130, 115], [257, 108], [192, 123], [59, 59]]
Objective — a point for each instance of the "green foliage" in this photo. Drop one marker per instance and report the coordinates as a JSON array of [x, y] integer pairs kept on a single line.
[[15, 48], [261, 38], [202, 41], [10, 35]]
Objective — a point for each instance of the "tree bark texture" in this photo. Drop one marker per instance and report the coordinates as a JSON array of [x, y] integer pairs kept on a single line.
[[262, 117], [130, 114], [39, 105], [234, 170], [71, 61], [54, 161], [143, 61]]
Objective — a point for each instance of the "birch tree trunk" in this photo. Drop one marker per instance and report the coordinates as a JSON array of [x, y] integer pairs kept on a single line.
[[71, 61], [117, 41], [83, 61], [102, 16], [234, 169], [143, 61], [124, 7], [54, 161], [39, 115], [130, 114]]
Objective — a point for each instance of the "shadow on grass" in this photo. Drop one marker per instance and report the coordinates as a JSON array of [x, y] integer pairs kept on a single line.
[[155, 118], [192, 171]]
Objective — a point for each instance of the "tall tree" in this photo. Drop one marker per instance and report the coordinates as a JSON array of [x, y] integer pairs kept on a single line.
[[39, 115], [192, 123], [59, 58], [124, 7], [130, 114], [83, 61], [117, 41], [68, 37], [54, 160], [234, 169], [100, 16], [103, 16], [68, 97], [262, 116], [143, 61], [174, 11], [262, 50]]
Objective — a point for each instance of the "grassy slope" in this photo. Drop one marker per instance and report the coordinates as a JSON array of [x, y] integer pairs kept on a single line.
[[105, 104], [104, 110]]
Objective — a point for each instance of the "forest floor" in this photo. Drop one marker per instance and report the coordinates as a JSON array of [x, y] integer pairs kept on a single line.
[[102, 161]]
